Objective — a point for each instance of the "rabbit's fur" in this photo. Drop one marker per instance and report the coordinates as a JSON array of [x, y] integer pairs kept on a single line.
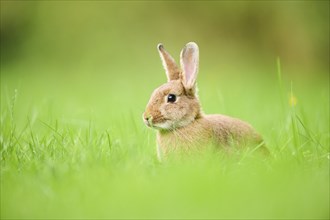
[[182, 124]]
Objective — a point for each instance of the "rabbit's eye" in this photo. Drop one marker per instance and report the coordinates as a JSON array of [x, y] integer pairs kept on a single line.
[[171, 98]]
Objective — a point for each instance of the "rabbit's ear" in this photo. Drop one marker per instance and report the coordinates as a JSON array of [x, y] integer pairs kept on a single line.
[[171, 69], [189, 60]]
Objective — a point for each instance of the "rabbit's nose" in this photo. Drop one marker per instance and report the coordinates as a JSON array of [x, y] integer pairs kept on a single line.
[[147, 119], [146, 115]]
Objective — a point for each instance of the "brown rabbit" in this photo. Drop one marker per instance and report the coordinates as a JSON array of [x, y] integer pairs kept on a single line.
[[174, 110]]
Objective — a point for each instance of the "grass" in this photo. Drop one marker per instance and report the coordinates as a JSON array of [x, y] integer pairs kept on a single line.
[[76, 147]]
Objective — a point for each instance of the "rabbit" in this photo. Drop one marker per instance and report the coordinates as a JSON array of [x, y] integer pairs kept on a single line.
[[175, 111]]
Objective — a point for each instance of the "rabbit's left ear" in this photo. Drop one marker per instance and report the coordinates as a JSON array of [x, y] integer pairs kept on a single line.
[[171, 69], [189, 60]]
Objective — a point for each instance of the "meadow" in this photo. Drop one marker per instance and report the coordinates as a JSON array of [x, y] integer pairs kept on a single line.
[[73, 143]]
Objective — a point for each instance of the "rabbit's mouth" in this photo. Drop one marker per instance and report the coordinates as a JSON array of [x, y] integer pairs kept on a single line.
[[148, 122], [160, 123]]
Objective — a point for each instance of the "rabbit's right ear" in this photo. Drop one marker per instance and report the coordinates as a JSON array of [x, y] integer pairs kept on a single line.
[[189, 60], [171, 69]]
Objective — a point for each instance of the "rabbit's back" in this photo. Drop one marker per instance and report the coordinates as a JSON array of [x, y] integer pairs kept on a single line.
[[227, 130]]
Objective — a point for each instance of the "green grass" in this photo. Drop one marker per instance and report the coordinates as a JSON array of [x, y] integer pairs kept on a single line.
[[75, 147]]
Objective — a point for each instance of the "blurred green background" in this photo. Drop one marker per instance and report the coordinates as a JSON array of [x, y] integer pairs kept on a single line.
[[94, 53], [76, 75]]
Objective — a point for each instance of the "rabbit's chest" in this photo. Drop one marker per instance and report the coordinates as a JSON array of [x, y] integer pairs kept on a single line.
[[183, 139]]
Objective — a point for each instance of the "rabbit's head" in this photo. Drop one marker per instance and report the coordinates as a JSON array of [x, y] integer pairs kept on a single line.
[[175, 103]]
